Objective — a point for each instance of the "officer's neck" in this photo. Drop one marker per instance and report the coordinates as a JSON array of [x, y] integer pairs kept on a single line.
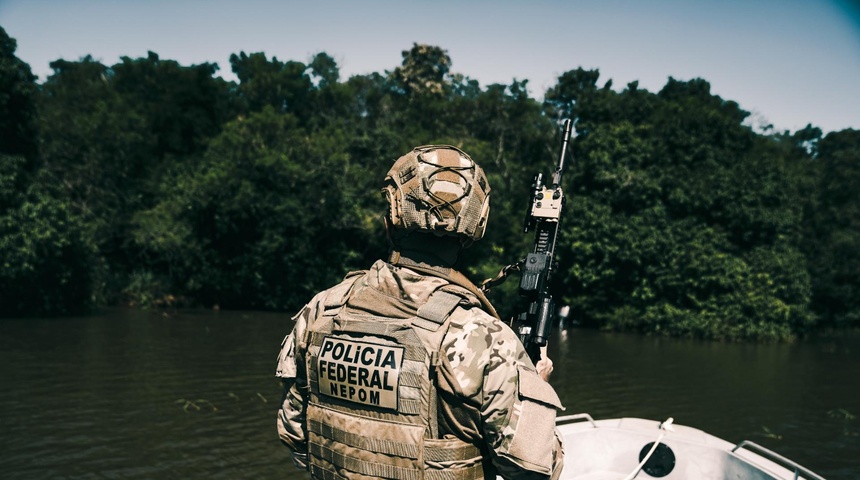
[[426, 248]]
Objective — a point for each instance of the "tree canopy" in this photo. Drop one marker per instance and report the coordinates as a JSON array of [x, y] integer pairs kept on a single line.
[[154, 183]]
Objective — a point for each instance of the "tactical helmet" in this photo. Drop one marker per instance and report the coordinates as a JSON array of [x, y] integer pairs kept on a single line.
[[439, 189]]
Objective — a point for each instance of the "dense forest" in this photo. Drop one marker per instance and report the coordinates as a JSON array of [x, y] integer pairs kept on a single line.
[[156, 184]]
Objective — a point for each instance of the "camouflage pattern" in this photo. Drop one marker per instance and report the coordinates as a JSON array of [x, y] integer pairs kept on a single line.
[[480, 379], [438, 188]]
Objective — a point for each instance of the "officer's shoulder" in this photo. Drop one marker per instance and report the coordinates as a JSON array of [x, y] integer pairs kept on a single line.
[[336, 294], [481, 342], [472, 317], [476, 314]]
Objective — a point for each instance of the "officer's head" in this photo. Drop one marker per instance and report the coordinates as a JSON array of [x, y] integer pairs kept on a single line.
[[437, 190]]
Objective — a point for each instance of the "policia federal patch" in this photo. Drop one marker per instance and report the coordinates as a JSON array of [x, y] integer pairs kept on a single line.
[[360, 372]]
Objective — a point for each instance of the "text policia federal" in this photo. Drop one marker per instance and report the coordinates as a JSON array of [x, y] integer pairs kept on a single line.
[[360, 372]]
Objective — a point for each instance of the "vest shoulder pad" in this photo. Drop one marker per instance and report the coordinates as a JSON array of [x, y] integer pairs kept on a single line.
[[335, 297], [441, 305]]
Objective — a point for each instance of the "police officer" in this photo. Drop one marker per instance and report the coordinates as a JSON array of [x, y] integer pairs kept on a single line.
[[404, 371]]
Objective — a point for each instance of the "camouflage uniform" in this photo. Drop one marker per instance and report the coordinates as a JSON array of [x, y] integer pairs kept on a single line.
[[485, 381]]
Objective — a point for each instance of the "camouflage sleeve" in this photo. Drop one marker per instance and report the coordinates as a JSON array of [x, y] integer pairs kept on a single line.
[[291, 369], [500, 397]]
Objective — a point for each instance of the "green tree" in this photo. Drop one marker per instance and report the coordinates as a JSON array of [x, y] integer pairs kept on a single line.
[[182, 106], [17, 92], [96, 148], [110, 133], [681, 219], [267, 216], [45, 261], [324, 70], [834, 240], [424, 71], [687, 222], [284, 86]]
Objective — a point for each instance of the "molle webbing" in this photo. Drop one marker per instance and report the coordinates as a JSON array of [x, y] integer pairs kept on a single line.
[[449, 454], [433, 314], [353, 464], [329, 457], [474, 472], [446, 273], [400, 449], [366, 324]]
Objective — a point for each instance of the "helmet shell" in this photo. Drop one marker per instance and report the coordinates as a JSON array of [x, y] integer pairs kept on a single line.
[[439, 189]]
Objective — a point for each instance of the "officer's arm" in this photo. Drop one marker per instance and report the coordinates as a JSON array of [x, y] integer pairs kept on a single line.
[[291, 415], [513, 406], [519, 408]]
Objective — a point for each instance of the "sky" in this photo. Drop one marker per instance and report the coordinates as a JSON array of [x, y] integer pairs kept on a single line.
[[788, 62]]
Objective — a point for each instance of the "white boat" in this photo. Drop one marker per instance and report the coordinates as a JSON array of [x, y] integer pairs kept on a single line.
[[627, 448]]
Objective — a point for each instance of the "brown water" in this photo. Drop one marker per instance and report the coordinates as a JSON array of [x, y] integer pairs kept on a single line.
[[127, 394]]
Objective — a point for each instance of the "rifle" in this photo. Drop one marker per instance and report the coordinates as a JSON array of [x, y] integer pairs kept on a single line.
[[544, 218]]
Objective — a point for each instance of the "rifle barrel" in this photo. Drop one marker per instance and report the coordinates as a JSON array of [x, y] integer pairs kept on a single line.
[[556, 177]]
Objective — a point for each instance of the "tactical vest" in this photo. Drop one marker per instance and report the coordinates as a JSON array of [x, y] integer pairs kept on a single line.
[[371, 410]]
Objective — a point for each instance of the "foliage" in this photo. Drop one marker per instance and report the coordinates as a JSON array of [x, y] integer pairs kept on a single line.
[[173, 185], [684, 220], [834, 242], [109, 134], [253, 224], [182, 107], [17, 91], [47, 263]]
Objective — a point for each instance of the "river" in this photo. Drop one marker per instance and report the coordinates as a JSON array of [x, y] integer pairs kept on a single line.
[[127, 394]]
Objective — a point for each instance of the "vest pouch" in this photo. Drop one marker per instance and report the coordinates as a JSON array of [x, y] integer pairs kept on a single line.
[[343, 445], [286, 358], [539, 403], [452, 458]]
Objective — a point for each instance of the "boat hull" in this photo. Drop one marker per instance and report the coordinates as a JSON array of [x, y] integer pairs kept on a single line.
[[615, 449]]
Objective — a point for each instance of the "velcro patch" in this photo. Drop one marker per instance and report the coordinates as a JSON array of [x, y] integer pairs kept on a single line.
[[360, 372]]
